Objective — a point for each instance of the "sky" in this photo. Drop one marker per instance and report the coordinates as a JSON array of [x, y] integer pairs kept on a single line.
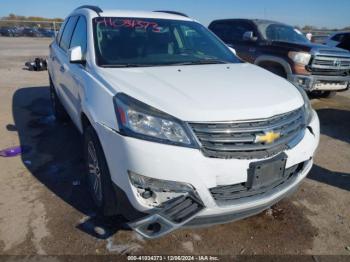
[[320, 13]]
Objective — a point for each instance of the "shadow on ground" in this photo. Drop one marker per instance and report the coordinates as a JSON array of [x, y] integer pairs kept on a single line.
[[335, 123], [55, 158], [336, 179]]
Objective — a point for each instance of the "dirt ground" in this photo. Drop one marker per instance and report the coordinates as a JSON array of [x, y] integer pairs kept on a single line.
[[45, 208]]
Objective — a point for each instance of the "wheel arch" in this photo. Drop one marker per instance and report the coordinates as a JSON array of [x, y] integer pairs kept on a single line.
[[274, 60], [85, 122]]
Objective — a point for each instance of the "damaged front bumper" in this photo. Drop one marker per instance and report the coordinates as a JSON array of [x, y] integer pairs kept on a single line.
[[321, 83], [174, 214], [185, 211], [155, 216]]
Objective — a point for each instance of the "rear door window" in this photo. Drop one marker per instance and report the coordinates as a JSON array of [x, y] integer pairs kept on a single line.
[[58, 37], [67, 33]]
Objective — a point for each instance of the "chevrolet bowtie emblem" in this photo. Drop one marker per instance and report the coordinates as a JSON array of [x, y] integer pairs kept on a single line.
[[268, 138]]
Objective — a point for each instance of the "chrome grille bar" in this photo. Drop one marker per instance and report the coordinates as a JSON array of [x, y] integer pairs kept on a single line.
[[331, 62], [226, 139], [245, 127], [238, 139], [244, 147]]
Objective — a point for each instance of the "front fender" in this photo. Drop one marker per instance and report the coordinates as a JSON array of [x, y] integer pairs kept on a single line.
[[275, 59]]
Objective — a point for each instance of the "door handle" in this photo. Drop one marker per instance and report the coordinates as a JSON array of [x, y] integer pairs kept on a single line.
[[62, 69]]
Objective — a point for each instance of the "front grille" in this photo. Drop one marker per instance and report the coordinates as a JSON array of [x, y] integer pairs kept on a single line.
[[330, 72], [225, 195], [330, 65], [238, 139]]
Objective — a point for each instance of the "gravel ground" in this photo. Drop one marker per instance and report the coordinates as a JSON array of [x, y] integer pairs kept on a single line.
[[44, 209]]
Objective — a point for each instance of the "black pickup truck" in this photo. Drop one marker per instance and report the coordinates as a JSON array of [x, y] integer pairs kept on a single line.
[[285, 51]]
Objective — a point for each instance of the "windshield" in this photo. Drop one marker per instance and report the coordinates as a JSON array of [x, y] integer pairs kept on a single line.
[[283, 33], [156, 42]]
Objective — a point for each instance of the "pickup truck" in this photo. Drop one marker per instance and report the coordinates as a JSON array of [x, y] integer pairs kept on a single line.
[[178, 131], [285, 51]]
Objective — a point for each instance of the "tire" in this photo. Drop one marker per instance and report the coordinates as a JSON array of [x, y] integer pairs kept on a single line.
[[57, 108], [324, 94], [98, 176], [328, 94]]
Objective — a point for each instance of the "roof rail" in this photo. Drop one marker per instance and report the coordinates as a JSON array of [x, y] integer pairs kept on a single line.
[[91, 7], [171, 12]]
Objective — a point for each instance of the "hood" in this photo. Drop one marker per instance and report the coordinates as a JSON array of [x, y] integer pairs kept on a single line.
[[220, 92], [308, 47]]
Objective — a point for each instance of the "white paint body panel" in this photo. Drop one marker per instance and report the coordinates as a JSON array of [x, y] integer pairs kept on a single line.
[[208, 92]]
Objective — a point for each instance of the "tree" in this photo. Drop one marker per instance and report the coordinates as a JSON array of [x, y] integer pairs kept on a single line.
[[30, 18]]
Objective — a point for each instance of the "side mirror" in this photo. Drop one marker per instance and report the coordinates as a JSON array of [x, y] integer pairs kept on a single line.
[[249, 36], [75, 55], [232, 50]]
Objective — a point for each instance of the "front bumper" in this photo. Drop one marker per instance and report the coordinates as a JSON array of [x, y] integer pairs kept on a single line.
[[321, 82], [191, 166]]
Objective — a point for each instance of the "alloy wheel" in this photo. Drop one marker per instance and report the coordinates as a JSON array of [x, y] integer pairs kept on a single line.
[[94, 173]]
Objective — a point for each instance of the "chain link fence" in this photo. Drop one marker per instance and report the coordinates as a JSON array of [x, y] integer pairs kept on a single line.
[[20, 28]]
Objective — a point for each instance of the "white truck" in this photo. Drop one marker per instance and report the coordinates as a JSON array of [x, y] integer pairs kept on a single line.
[[178, 131]]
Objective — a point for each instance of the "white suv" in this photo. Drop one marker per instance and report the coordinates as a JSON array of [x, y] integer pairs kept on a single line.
[[177, 130]]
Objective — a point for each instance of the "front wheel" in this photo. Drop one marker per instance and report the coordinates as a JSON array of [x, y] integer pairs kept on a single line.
[[98, 176]]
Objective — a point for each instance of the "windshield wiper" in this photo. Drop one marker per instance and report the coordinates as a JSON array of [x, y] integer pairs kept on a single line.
[[202, 62], [198, 62], [124, 65]]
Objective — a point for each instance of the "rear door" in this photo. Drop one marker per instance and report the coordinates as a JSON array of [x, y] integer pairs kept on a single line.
[[54, 65], [74, 76], [63, 67]]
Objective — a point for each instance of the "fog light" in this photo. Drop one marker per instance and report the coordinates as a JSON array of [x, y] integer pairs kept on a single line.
[[153, 192], [301, 81], [147, 194]]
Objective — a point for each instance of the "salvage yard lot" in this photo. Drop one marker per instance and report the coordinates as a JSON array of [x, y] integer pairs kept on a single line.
[[45, 207]]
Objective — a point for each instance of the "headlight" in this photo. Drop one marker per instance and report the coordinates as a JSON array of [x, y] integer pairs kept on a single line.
[[300, 57], [158, 185], [307, 105], [139, 120]]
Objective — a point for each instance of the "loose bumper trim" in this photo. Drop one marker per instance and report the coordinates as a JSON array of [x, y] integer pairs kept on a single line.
[[174, 214]]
